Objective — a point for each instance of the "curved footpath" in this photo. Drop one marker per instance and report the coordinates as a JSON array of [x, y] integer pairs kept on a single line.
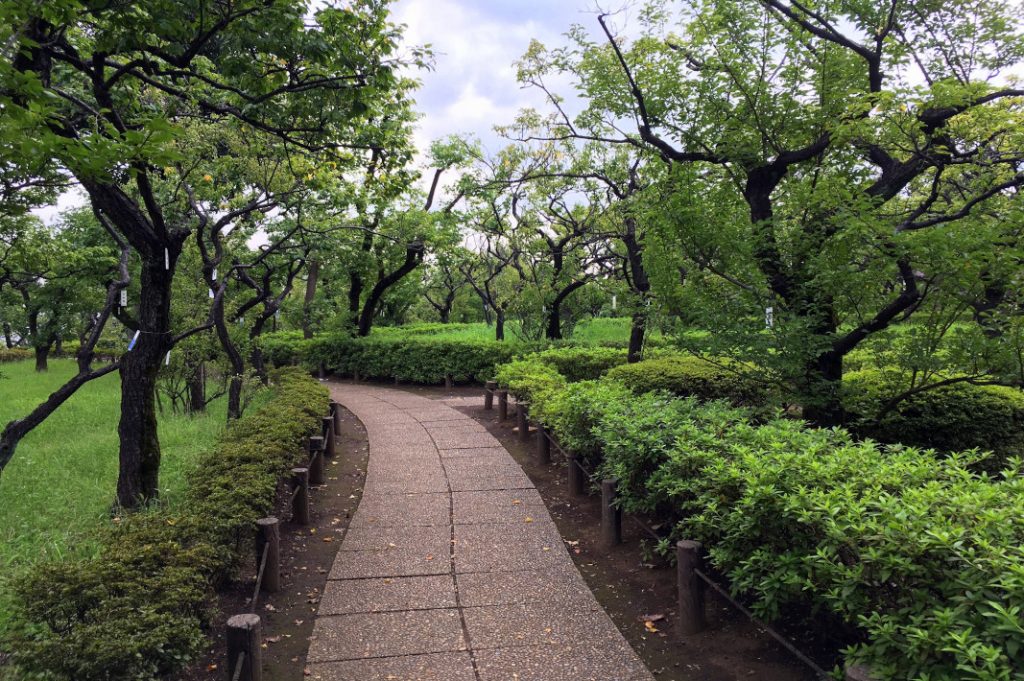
[[452, 569]]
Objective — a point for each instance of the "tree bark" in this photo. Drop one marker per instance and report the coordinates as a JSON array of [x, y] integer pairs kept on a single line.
[[637, 331], [499, 324], [413, 257], [312, 277], [8, 333], [554, 326], [42, 355], [139, 456], [197, 390]]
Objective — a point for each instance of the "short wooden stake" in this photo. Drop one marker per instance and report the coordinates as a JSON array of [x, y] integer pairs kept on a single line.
[[449, 382], [543, 445], [576, 478], [336, 413], [489, 389], [502, 404], [355, 376], [244, 637], [316, 461], [329, 437], [269, 536], [690, 586], [522, 421], [858, 672], [300, 502], [611, 517]]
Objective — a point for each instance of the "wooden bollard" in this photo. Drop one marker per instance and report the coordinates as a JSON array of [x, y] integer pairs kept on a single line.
[[690, 586], [336, 413], [611, 517], [489, 389], [575, 473], [522, 421], [329, 437], [300, 502], [269, 536], [316, 461], [543, 445], [355, 376], [245, 637], [449, 382], [502, 404], [858, 672]]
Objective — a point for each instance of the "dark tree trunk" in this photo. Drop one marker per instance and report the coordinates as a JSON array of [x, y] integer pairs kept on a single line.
[[312, 277], [139, 456], [197, 390], [42, 355], [499, 324], [58, 346], [355, 295], [824, 385], [636, 337], [413, 257], [8, 333], [554, 325], [234, 358]]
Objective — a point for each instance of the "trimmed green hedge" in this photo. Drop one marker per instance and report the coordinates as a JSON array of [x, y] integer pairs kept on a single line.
[[581, 364], [417, 358], [15, 354], [689, 376], [949, 418], [138, 609], [919, 559]]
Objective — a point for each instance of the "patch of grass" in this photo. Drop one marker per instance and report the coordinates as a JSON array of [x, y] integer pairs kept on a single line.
[[589, 332], [60, 484]]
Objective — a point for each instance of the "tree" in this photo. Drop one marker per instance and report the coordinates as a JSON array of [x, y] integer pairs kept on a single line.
[[803, 138], [106, 91]]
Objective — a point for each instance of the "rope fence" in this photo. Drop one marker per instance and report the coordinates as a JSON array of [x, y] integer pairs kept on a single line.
[[691, 576], [244, 634]]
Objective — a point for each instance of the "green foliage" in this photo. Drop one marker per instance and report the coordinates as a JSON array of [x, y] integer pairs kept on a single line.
[[581, 364], [948, 418], [530, 379], [692, 376], [14, 354], [136, 610]]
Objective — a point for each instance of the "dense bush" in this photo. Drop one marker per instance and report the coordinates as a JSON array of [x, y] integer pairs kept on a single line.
[[15, 354], [689, 376], [948, 418], [530, 380], [581, 363], [918, 559], [417, 358], [137, 609]]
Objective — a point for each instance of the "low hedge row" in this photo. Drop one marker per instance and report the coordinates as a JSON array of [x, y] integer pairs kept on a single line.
[[15, 354], [916, 557], [948, 418], [138, 609]]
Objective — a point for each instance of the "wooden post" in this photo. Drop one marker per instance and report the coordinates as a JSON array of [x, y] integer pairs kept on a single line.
[[858, 672], [576, 482], [300, 502], [336, 413], [489, 389], [522, 421], [449, 382], [502, 404], [269, 536], [355, 375], [691, 587], [329, 437], [611, 517], [245, 636], [316, 461], [543, 445]]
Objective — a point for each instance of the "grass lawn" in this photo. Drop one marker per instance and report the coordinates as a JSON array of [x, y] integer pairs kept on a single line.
[[61, 481], [587, 332]]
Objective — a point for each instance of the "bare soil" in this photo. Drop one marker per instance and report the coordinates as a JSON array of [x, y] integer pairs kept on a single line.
[[307, 553]]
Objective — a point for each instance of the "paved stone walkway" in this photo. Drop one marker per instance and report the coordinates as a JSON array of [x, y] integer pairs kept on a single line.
[[452, 569]]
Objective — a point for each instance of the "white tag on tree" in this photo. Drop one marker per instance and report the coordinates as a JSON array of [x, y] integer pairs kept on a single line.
[[167, 259], [211, 293], [769, 317], [167, 359], [124, 298], [215, 274]]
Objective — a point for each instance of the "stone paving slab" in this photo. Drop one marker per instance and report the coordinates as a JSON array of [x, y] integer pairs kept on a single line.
[[429, 667], [386, 634], [452, 568], [347, 596]]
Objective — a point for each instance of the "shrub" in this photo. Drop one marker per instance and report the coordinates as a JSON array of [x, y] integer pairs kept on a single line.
[[137, 609], [917, 556], [530, 380], [949, 418], [689, 376], [15, 354], [581, 364]]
